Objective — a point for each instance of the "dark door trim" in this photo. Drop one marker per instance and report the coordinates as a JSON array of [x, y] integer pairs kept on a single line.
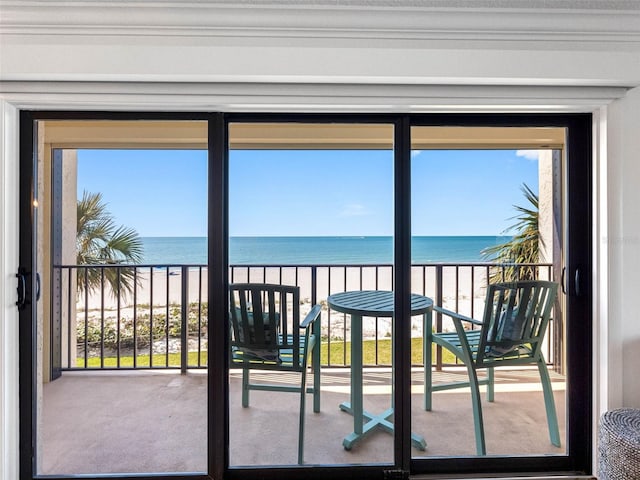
[[27, 263]]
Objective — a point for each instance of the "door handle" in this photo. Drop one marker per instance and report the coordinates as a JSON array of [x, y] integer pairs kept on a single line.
[[576, 282], [37, 287], [22, 289]]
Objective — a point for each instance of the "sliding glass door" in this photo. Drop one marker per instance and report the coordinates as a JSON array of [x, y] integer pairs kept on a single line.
[[311, 209], [278, 310], [491, 211], [482, 216], [120, 329]]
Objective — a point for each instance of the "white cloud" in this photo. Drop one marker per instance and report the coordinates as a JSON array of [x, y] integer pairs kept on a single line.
[[415, 153], [354, 210], [529, 154]]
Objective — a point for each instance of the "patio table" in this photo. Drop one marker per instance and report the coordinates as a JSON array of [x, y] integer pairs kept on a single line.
[[371, 303]]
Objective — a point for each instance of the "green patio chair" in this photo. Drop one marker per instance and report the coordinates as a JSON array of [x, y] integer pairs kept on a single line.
[[266, 334], [515, 320]]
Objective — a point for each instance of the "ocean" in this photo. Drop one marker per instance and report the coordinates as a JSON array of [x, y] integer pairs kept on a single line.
[[317, 250]]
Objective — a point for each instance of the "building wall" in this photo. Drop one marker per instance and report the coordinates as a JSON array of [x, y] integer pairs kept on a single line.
[[346, 56]]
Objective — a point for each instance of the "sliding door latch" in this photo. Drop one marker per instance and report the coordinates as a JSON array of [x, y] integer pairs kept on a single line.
[[22, 288]]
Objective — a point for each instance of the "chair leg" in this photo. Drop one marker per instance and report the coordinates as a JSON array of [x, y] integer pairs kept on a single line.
[[316, 380], [427, 401], [477, 411], [303, 392], [549, 403], [490, 389], [245, 387], [427, 348]]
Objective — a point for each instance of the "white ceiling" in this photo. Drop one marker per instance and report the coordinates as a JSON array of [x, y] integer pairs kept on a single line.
[[319, 55], [193, 134]]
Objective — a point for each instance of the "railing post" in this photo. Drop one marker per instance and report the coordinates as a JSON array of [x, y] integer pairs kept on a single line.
[[314, 284], [438, 315], [317, 330], [184, 320]]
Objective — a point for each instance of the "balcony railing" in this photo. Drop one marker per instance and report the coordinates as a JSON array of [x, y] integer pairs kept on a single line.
[[161, 319]]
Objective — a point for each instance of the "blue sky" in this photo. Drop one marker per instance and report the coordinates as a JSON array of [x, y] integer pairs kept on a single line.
[[291, 192]]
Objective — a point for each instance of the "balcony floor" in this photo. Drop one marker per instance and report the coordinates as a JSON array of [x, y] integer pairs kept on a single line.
[[142, 421]]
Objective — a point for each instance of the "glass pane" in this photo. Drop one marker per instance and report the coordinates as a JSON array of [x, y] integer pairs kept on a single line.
[[486, 209], [310, 206], [122, 357]]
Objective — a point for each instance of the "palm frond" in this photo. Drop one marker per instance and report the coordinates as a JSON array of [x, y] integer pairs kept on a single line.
[[99, 241], [524, 246]]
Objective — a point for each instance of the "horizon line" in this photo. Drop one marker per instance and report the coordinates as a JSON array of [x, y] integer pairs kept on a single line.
[[324, 236]]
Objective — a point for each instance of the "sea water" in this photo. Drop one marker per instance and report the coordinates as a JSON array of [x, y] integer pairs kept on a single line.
[[317, 250]]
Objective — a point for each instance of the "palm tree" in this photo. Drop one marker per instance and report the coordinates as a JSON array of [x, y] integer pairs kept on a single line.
[[99, 241], [522, 248]]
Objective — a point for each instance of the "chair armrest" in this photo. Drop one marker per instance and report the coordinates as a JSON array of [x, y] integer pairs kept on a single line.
[[459, 316], [311, 317]]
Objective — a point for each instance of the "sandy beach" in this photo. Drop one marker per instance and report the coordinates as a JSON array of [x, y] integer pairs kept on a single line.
[[463, 289]]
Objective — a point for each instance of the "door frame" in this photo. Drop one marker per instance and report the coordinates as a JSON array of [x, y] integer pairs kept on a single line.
[[579, 302], [578, 248]]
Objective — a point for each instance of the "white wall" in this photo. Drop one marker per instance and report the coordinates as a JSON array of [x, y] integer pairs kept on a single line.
[[8, 309], [342, 56], [347, 41], [623, 243]]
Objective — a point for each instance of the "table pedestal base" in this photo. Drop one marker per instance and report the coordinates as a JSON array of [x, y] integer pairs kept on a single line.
[[374, 421]]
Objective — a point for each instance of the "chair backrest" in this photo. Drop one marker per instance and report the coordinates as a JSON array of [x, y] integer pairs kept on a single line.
[[515, 321], [264, 319]]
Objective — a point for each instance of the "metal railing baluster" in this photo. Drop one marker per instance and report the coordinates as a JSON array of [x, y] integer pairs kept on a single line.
[[86, 318], [344, 322], [118, 316], [69, 309], [184, 320], [99, 331], [329, 318], [167, 318], [135, 317], [102, 318], [151, 317], [199, 316], [439, 299]]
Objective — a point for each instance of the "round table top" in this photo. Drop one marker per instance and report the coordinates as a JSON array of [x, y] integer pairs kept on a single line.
[[374, 303]]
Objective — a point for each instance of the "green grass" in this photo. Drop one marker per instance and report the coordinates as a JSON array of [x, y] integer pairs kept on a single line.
[[369, 352], [159, 360], [337, 356]]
